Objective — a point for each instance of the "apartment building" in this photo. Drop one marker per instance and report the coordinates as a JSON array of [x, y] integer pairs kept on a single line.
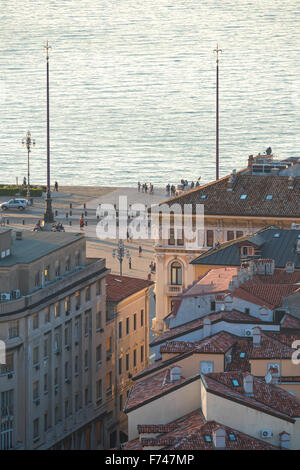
[[127, 343], [52, 320], [264, 194]]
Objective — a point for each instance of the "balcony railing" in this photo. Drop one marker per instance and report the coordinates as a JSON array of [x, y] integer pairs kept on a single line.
[[173, 289]]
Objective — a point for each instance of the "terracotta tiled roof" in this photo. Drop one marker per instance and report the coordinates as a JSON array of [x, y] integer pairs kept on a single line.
[[271, 347], [289, 321], [218, 343], [266, 397], [232, 316], [240, 355], [120, 287], [191, 432], [151, 388], [215, 280], [219, 201]]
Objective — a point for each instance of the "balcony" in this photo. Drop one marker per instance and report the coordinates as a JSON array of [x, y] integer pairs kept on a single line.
[[173, 289]]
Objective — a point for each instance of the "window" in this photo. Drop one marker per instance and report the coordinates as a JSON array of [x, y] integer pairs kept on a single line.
[[35, 355], [210, 238], [213, 306], [134, 358], [142, 317], [86, 323], [56, 344], [127, 325], [57, 269], [206, 367], [247, 251], [108, 344], [36, 428], [243, 196], [120, 366], [77, 300], [47, 315], [37, 278], [176, 273], [232, 437], [98, 321], [57, 310], [99, 353], [76, 330], [134, 321], [8, 367], [76, 401], [142, 353], [98, 431], [242, 355], [46, 421], [86, 359], [67, 305], [56, 414], [98, 287], [239, 233], [35, 321], [127, 361], [230, 235], [88, 294], [13, 329], [207, 438], [203, 196], [66, 370], [35, 390], [56, 376], [86, 396], [67, 338], [68, 264], [108, 381], [120, 329], [99, 389], [77, 259], [269, 197], [67, 412]]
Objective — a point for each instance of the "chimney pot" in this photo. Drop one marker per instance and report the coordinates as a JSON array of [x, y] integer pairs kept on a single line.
[[256, 333]]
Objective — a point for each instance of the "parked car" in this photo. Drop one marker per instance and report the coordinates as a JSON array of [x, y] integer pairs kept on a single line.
[[19, 204]]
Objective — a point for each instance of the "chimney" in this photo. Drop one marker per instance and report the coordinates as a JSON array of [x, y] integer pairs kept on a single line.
[[256, 333], [206, 327], [284, 438], [266, 266], [231, 180], [175, 374], [228, 302], [250, 162], [290, 182], [289, 267], [248, 384], [219, 438], [251, 269]]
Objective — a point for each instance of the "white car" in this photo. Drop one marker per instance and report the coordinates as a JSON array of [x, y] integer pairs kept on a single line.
[[19, 204]]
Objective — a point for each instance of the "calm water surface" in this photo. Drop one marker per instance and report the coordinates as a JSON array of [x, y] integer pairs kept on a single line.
[[132, 87]]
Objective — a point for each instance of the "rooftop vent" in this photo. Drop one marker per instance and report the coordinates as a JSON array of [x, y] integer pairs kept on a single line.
[[175, 374]]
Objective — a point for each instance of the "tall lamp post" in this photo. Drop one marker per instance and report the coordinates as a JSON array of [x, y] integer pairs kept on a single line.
[[120, 253], [48, 216], [217, 50], [29, 142]]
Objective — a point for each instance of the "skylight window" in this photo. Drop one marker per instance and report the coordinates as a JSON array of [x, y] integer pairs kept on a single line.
[[243, 196], [207, 438], [242, 355], [232, 437], [276, 235], [235, 382], [203, 196], [269, 197]]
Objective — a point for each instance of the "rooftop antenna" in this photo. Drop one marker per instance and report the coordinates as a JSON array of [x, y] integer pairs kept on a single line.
[[217, 50]]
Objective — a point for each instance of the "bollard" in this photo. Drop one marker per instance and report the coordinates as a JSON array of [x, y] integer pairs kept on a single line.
[[70, 222], [56, 213], [70, 205], [70, 213], [67, 215], [23, 222]]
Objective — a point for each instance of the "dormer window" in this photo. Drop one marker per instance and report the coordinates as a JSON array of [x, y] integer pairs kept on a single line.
[[247, 251], [235, 383], [203, 196], [269, 197], [243, 196], [232, 437]]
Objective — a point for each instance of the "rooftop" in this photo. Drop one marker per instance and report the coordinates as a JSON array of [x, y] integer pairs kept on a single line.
[[35, 245], [120, 287], [215, 280]]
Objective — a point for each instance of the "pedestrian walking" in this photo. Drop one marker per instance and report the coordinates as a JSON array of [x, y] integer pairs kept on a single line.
[[56, 186], [24, 181], [129, 262], [81, 222], [139, 186], [140, 250]]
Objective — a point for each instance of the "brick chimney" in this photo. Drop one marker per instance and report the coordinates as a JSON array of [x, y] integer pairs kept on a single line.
[[219, 438], [256, 333], [284, 439], [248, 384]]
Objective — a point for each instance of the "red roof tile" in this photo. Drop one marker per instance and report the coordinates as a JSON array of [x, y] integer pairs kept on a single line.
[[218, 343], [120, 287], [290, 322]]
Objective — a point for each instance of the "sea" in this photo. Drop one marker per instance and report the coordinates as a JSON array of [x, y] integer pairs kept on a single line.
[[133, 87]]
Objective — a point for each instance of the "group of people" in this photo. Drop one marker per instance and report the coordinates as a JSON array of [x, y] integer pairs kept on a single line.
[[171, 190], [144, 188], [185, 183]]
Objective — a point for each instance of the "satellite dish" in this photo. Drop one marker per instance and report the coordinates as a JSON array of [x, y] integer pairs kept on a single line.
[[268, 378]]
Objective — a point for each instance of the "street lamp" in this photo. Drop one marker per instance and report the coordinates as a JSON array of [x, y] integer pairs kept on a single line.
[[120, 252], [29, 142]]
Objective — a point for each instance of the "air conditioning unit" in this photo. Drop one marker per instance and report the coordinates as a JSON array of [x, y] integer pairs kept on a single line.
[[5, 296], [266, 433], [16, 294], [248, 332]]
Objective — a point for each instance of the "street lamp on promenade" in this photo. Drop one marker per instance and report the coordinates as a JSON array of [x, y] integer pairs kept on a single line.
[[29, 142], [120, 253]]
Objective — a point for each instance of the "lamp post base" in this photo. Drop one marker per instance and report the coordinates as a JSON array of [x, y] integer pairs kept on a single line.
[[48, 215]]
